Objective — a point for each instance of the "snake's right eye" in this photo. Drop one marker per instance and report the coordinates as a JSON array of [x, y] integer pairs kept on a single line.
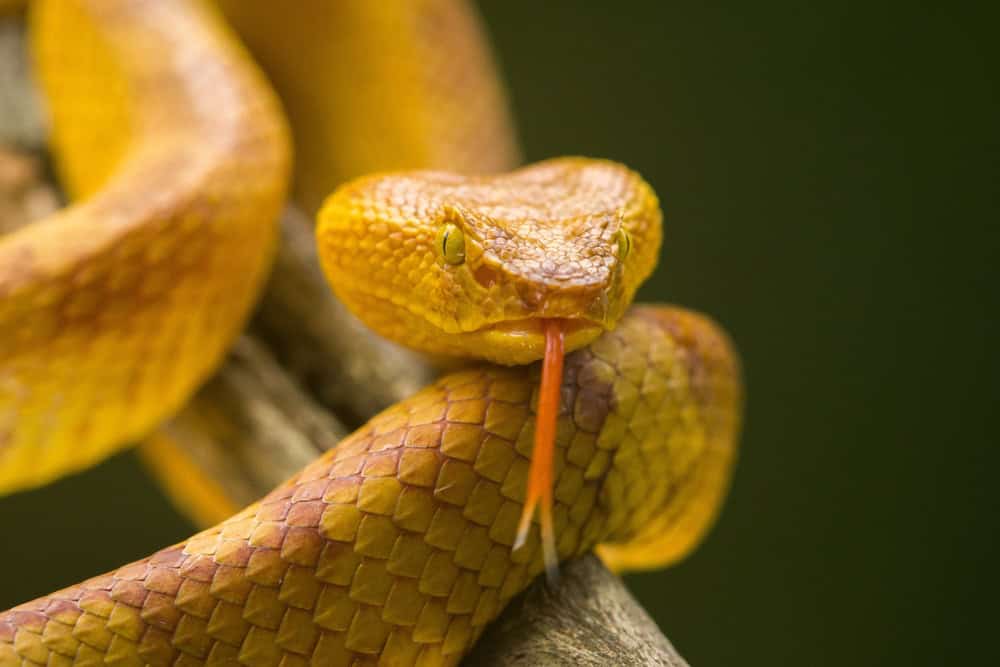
[[624, 245], [451, 242]]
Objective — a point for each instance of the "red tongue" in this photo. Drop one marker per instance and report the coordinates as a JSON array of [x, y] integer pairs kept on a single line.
[[541, 472]]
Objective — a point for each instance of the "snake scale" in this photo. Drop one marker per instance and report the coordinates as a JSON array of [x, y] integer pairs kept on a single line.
[[397, 547]]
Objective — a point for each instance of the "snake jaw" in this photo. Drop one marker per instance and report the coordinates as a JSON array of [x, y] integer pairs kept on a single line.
[[536, 326], [524, 340]]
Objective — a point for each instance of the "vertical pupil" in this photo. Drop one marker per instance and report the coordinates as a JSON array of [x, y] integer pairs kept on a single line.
[[624, 244], [452, 244]]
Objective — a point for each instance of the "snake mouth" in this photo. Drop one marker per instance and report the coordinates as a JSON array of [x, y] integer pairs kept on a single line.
[[523, 339], [534, 326]]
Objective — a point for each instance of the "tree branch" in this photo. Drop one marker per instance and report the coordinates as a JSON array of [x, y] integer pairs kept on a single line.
[[304, 374], [590, 618]]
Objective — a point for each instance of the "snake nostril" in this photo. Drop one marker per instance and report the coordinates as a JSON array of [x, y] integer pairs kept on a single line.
[[531, 295]]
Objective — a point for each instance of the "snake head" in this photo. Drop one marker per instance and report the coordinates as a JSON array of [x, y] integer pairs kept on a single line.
[[470, 266]]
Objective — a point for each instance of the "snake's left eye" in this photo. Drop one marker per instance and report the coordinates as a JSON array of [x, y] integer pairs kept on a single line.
[[451, 242], [624, 241]]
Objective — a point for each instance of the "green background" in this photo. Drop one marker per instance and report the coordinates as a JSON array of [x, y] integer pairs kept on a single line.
[[828, 177]]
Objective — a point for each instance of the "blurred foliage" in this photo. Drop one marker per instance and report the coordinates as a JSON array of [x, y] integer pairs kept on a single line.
[[828, 176]]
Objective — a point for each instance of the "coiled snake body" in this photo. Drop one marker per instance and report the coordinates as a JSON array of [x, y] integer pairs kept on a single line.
[[397, 547]]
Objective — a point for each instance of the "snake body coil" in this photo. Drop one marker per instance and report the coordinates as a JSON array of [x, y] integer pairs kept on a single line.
[[396, 547], [113, 310]]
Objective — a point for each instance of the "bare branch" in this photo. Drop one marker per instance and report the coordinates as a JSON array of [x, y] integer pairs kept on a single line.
[[590, 618], [305, 373]]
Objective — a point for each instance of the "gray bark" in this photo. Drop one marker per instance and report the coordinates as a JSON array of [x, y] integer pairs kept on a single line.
[[590, 618], [20, 119]]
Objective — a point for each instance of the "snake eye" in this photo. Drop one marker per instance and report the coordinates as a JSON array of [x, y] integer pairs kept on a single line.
[[451, 242], [624, 244]]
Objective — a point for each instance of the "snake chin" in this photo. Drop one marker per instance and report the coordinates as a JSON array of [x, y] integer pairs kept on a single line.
[[522, 340]]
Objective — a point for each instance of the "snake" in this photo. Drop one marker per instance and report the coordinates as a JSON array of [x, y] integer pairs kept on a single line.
[[616, 423]]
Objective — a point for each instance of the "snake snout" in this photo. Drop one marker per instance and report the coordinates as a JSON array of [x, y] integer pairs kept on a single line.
[[579, 300]]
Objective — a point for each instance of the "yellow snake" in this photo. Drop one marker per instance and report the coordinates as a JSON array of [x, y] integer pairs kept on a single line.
[[397, 547]]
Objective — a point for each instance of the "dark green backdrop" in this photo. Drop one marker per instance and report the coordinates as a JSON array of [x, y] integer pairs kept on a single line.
[[828, 176]]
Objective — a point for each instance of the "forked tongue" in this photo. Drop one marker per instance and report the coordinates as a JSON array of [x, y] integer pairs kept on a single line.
[[542, 457]]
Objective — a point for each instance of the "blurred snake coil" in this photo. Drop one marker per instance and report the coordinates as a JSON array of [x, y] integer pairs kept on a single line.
[[397, 546]]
